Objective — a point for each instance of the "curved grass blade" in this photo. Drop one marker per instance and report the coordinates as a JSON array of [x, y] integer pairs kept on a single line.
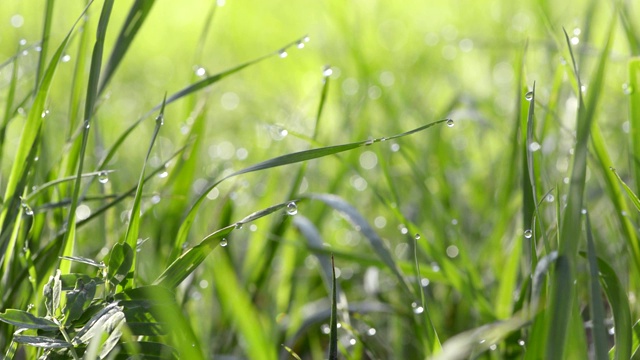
[[281, 161], [359, 223], [333, 336], [617, 296], [131, 237], [136, 17], [173, 275]]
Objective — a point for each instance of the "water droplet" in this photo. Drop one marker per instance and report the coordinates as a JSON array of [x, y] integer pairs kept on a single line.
[[371, 331], [528, 233], [160, 120], [450, 122], [424, 282], [493, 347], [352, 341], [27, 209], [200, 71], [164, 173], [306, 39], [528, 96], [103, 177], [369, 142], [66, 58], [417, 309], [583, 211], [327, 71], [417, 236], [45, 113], [627, 89], [292, 208], [611, 331], [283, 53], [534, 146], [550, 198], [223, 242], [239, 225], [87, 124], [521, 342], [300, 45], [583, 88], [23, 41], [325, 329]]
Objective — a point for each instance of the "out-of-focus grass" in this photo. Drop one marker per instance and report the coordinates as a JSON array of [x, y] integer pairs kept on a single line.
[[496, 199]]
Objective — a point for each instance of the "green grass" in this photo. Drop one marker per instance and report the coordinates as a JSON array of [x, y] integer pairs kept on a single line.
[[329, 180]]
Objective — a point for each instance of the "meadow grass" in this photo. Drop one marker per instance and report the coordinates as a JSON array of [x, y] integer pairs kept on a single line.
[[192, 180]]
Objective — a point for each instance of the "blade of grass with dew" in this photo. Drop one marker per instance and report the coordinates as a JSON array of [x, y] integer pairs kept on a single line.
[[559, 314], [68, 241], [333, 336], [184, 265], [131, 236], [431, 342], [596, 306], [282, 160], [136, 17]]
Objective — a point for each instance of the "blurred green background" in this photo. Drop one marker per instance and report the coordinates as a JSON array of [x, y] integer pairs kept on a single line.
[[396, 66]]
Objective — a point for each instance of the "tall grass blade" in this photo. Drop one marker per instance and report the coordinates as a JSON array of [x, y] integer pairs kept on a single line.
[[596, 307], [136, 17], [633, 88], [131, 236], [562, 291], [44, 42], [333, 336], [68, 241]]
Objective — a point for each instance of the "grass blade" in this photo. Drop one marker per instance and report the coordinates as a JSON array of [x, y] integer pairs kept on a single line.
[[131, 236], [173, 275], [596, 305], [136, 17], [288, 159], [68, 241], [561, 302], [333, 336]]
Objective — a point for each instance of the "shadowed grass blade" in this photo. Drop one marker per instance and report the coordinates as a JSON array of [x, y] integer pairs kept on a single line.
[[596, 306]]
